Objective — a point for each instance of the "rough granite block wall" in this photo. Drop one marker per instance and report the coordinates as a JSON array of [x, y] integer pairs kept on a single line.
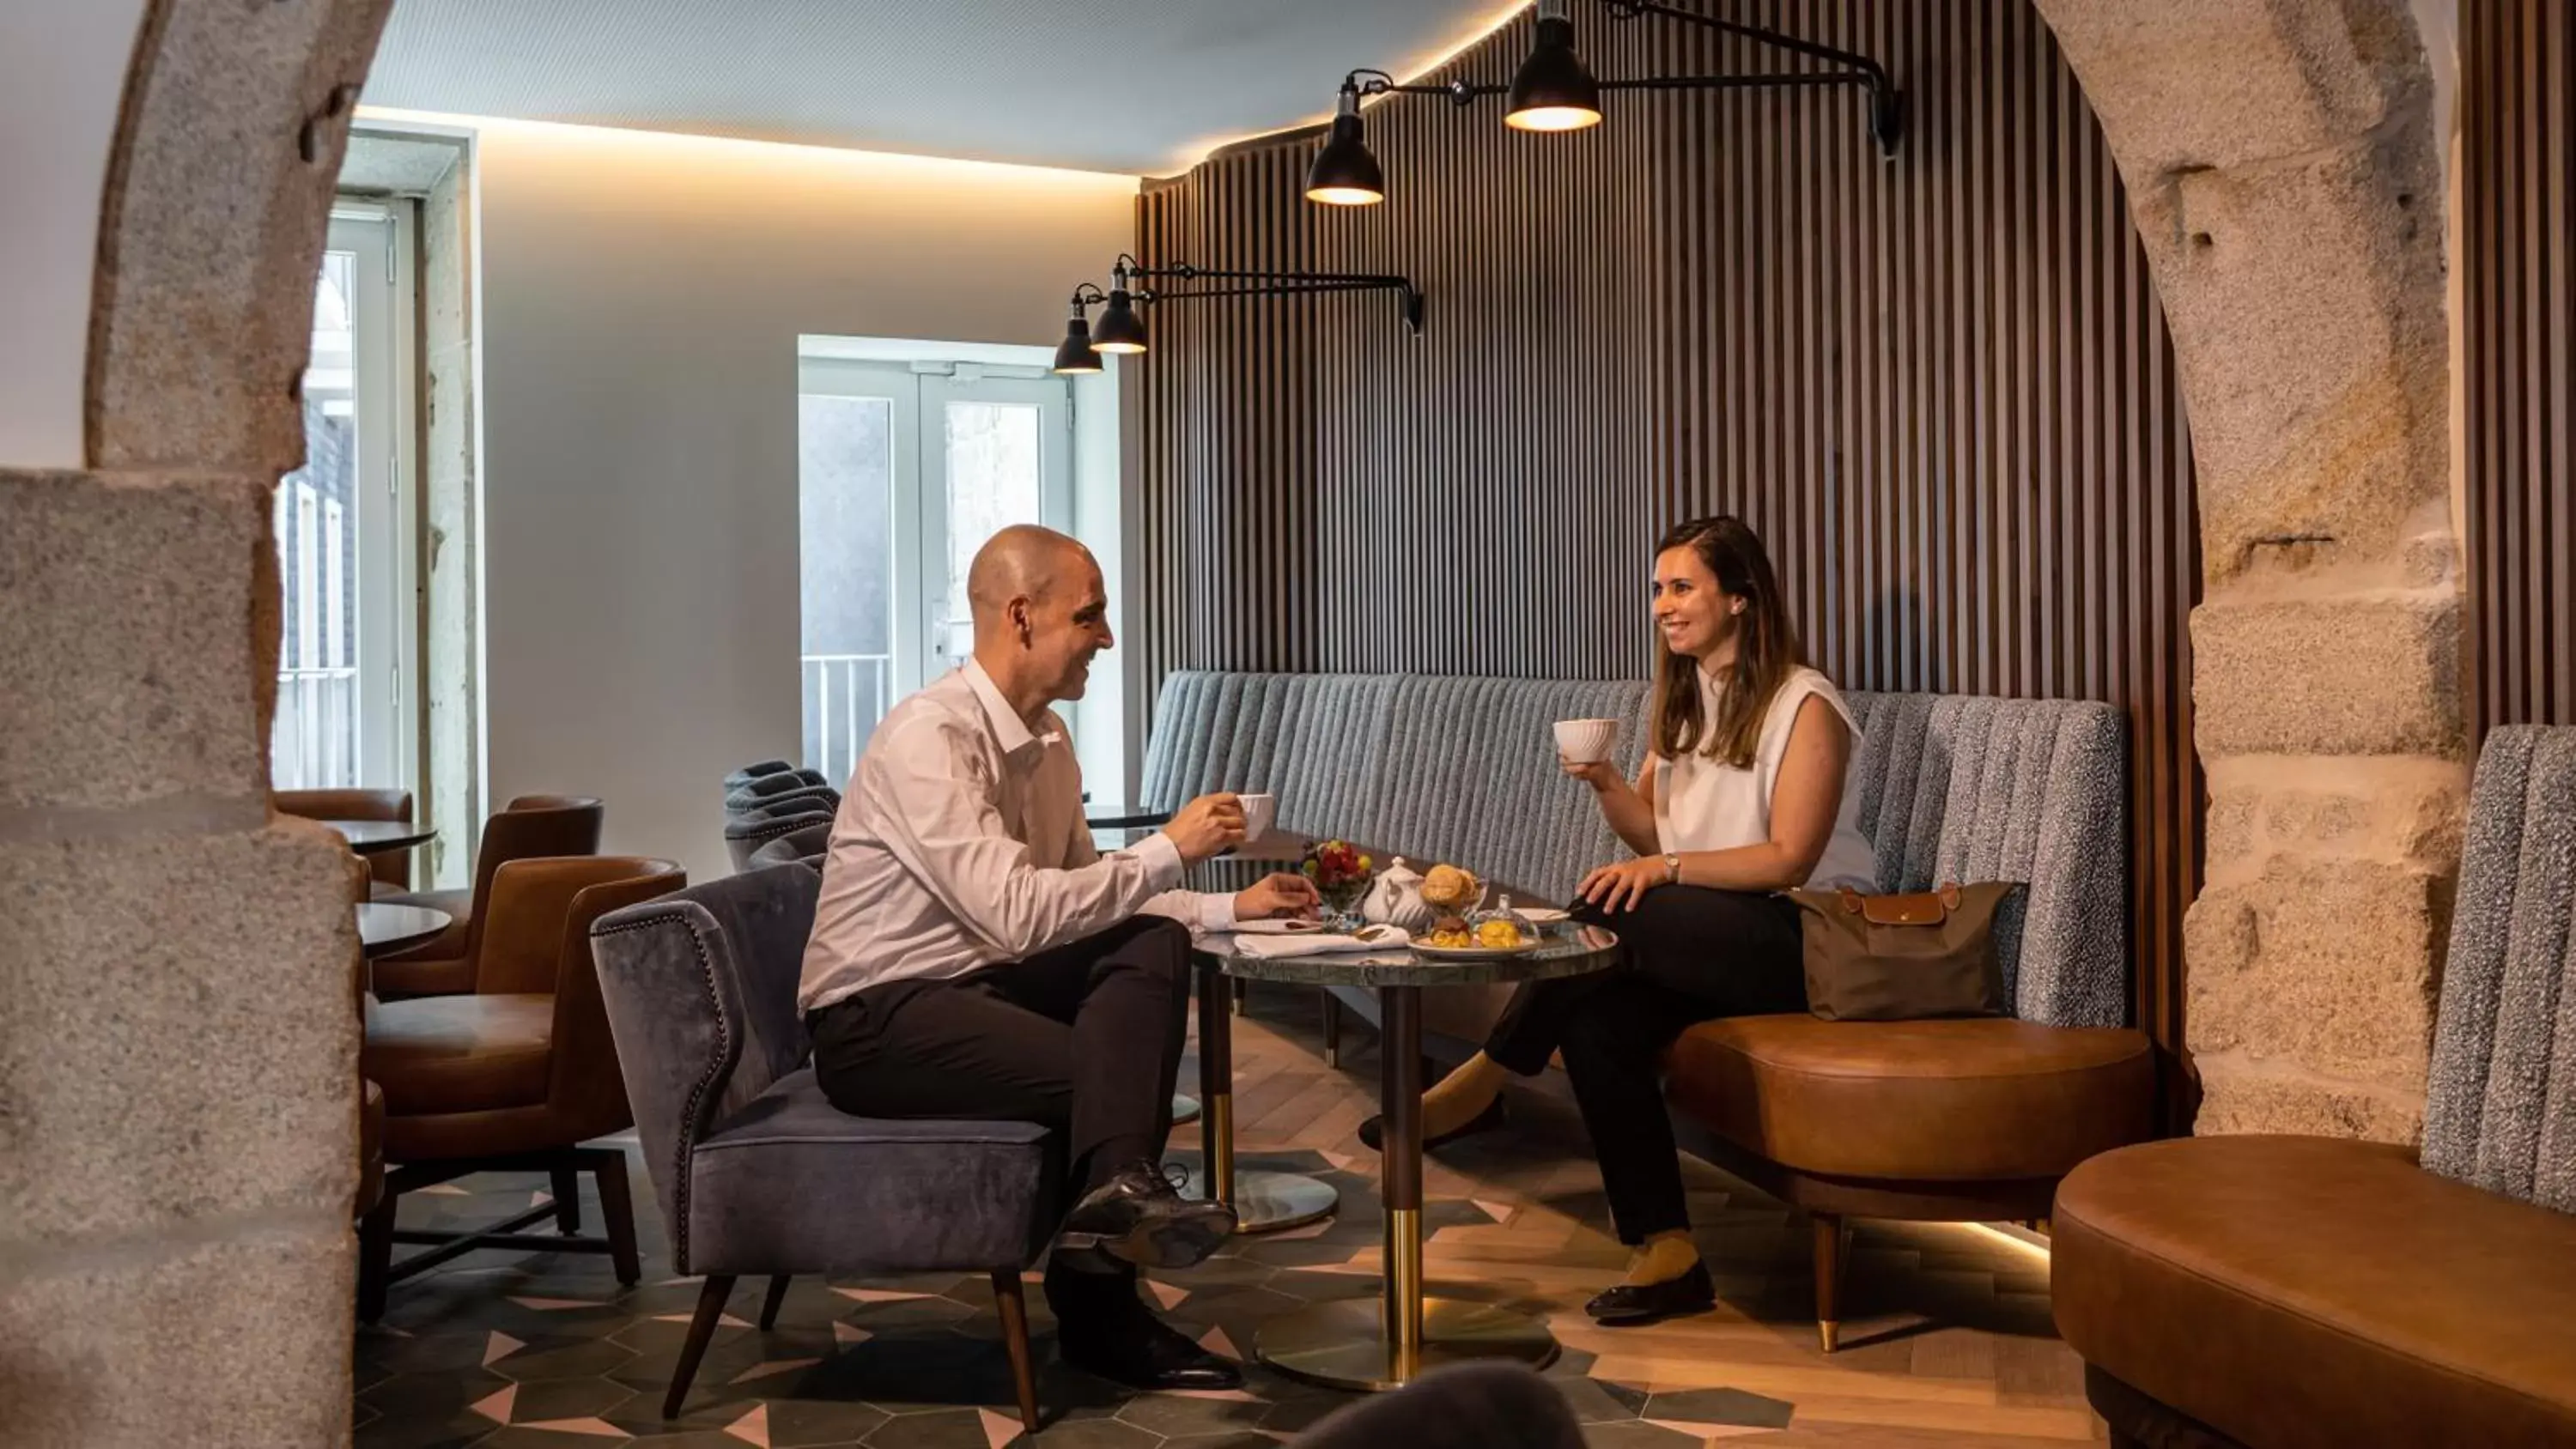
[[178, 1054], [2282, 167]]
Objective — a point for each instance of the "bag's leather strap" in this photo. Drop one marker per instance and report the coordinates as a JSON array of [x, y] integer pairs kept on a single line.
[[1924, 908]]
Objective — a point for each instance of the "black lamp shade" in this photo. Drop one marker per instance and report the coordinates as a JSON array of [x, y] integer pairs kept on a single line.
[[1120, 329], [1075, 353], [1344, 173], [1553, 92]]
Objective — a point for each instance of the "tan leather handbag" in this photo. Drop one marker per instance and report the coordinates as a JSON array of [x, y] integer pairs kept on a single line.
[[1896, 958]]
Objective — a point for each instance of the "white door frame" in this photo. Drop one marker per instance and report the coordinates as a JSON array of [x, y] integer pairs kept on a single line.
[[387, 648]]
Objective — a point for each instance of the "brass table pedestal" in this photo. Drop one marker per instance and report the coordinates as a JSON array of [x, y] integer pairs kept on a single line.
[[1387, 1341], [1263, 1202]]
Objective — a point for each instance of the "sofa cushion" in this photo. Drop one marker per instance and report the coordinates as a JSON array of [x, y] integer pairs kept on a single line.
[[2501, 1109], [444, 1054], [1929, 1101], [2313, 1291], [791, 1184]]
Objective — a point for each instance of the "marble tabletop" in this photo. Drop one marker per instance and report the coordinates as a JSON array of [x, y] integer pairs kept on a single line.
[[1567, 949]]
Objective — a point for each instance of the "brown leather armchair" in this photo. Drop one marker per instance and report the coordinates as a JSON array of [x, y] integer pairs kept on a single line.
[[390, 869], [533, 825], [371, 1099], [513, 1076]]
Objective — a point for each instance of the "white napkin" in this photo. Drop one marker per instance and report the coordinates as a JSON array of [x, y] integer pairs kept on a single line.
[[1275, 946]]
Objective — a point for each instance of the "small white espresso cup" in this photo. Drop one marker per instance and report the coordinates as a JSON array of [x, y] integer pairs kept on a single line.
[[1260, 812], [1586, 741]]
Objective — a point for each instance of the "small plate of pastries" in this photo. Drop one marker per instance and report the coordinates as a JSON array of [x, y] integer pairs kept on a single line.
[[1461, 932]]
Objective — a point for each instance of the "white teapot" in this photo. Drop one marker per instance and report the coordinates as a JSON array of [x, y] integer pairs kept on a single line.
[[1395, 899]]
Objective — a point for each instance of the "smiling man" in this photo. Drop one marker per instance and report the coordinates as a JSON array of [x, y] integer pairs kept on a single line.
[[974, 956]]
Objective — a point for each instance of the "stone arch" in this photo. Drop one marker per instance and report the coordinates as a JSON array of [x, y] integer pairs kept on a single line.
[[2285, 176]]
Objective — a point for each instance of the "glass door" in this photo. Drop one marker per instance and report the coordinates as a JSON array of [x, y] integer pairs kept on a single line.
[[999, 451], [857, 447], [346, 658], [905, 470]]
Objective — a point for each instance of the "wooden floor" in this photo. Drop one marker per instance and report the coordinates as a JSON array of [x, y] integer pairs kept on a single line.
[[1946, 1334]]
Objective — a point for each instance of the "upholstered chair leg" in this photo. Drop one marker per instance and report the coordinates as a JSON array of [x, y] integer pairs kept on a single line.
[[567, 1190], [375, 1258], [1009, 1297], [769, 1305], [1332, 1027], [618, 1207], [1829, 1269], [702, 1329]]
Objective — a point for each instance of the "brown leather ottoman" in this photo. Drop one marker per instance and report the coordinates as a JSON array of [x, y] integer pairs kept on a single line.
[[1956, 1120], [2294, 1291]]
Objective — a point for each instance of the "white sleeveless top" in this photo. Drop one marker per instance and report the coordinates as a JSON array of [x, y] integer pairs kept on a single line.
[[1705, 804]]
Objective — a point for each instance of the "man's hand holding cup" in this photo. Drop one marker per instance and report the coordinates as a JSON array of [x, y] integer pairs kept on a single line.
[[1207, 827]]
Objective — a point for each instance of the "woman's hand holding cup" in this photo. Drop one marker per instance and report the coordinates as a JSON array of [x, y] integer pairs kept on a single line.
[[1599, 774]]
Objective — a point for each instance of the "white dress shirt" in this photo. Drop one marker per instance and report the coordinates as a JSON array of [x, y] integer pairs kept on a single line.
[[961, 843]]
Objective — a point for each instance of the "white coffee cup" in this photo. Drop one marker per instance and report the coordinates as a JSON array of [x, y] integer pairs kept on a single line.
[[1260, 812], [1586, 741]]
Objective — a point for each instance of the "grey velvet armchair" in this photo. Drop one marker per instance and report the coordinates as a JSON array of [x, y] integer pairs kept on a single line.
[[748, 773], [747, 834], [754, 1172], [804, 845], [771, 789]]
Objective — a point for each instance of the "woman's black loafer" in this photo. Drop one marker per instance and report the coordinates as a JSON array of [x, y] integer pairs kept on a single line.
[[1632, 1303]]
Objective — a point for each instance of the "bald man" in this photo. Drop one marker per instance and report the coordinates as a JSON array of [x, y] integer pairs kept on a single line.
[[974, 957]]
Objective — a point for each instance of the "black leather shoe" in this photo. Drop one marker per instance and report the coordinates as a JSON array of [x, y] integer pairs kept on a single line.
[[1373, 1131], [1140, 1217], [1630, 1304], [1143, 1352]]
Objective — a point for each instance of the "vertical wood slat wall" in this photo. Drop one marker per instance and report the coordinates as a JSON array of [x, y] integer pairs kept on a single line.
[[2518, 275], [1940, 386]]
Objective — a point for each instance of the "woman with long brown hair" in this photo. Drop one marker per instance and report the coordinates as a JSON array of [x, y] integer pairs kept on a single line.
[[1745, 793]]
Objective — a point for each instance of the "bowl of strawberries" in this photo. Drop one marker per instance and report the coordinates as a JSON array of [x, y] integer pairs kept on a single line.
[[1340, 873]]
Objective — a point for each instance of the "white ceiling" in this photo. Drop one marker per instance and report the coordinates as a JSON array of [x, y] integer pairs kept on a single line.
[[1136, 86]]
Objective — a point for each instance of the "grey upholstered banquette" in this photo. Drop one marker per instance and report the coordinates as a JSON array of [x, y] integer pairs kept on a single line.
[[1973, 1119], [1464, 770]]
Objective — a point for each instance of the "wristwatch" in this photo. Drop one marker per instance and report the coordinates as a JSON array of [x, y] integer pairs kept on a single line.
[[1672, 868]]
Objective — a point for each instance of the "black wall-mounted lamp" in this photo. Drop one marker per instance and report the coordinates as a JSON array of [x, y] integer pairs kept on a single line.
[[1553, 91], [1122, 321], [1076, 353]]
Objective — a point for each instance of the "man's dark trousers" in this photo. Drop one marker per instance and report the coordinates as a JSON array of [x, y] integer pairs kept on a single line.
[[1085, 1038]]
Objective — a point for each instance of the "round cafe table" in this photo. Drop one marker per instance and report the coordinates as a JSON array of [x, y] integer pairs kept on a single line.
[[1387, 1341], [384, 929], [375, 837]]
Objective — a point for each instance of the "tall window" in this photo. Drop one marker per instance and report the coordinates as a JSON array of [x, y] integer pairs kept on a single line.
[[906, 470], [343, 535]]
